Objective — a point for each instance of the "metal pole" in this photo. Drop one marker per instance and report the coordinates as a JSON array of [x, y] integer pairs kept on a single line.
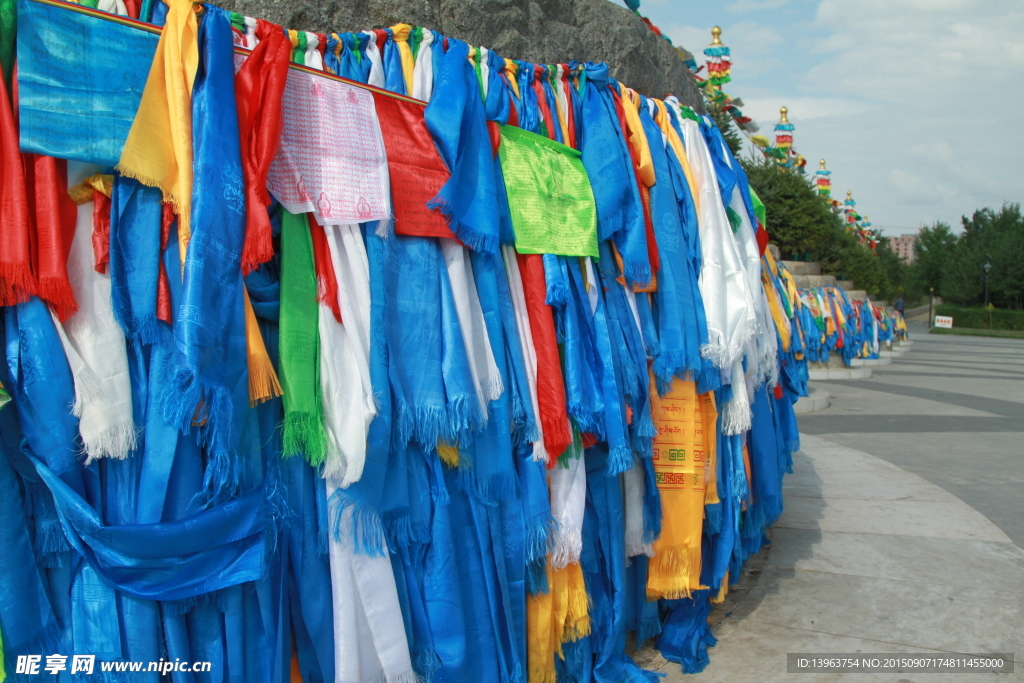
[[931, 300]]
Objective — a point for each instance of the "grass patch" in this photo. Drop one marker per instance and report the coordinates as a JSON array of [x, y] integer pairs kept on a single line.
[[970, 332]]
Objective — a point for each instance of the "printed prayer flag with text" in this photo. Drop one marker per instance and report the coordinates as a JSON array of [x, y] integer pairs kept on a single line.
[[549, 195]]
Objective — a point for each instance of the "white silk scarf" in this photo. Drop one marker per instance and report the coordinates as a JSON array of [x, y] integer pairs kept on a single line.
[[370, 644], [348, 403], [95, 347]]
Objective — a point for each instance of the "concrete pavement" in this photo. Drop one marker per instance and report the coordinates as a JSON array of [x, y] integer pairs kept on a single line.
[[903, 523]]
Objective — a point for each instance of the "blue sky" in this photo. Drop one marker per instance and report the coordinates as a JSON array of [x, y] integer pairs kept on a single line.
[[916, 105]]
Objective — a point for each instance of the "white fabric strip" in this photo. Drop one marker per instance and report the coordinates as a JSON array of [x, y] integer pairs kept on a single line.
[[312, 57], [376, 78], [370, 644], [96, 348], [722, 278], [348, 401], [482, 367], [568, 501], [423, 71]]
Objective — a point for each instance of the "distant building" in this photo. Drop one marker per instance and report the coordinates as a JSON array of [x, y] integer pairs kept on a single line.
[[904, 246]]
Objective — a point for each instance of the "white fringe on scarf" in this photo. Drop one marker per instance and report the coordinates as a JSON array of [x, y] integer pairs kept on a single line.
[[482, 367], [515, 283], [370, 645], [96, 349], [568, 502], [348, 402]]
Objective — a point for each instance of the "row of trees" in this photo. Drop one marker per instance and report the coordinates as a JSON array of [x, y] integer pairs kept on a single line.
[[804, 227], [955, 264], [952, 265]]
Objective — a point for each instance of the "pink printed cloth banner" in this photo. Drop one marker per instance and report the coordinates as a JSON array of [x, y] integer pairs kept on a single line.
[[332, 162]]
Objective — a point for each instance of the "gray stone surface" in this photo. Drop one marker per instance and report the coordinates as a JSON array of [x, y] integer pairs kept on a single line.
[[545, 31]]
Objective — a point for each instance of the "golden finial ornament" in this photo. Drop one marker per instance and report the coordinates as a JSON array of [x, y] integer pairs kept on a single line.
[[822, 164], [849, 194], [785, 115], [716, 36]]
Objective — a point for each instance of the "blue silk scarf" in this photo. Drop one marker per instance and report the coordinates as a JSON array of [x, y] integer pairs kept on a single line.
[[679, 343], [136, 219], [607, 161], [433, 393], [27, 619], [604, 567], [63, 72], [457, 121], [210, 381]]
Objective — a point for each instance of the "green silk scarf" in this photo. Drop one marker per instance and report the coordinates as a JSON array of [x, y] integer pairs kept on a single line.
[[300, 373]]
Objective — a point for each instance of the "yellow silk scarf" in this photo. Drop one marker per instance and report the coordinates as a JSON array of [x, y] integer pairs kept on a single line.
[[562, 615], [401, 33], [682, 465], [158, 151]]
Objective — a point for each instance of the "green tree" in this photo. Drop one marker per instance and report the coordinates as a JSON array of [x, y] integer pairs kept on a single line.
[[799, 221], [934, 248]]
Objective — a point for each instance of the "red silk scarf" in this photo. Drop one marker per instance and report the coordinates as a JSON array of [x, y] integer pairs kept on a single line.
[[259, 88]]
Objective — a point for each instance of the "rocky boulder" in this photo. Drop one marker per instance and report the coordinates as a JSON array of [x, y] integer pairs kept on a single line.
[[539, 31]]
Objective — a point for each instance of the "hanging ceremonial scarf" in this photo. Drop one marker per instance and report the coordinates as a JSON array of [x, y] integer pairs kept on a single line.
[[722, 276], [680, 460], [606, 159], [349, 404], [369, 642], [455, 118], [259, 88], [28, 622], [331, 161], [52, 217], [64, 57], [95, 346], [423, 71], [210, 384], [640, 153], [300, 372], [678, 345], [158, 150], [433, 399], [483, 368], [415, 168], [138, 278], [554, 420], [552, 206], [17, 282]]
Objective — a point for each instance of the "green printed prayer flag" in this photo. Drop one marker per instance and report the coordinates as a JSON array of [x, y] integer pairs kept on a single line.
[[549, 195]]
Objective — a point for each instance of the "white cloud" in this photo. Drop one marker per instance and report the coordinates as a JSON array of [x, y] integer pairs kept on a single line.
[[916, 104]]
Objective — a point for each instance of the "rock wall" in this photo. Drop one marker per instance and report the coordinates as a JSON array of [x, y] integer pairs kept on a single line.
[[539, 31]]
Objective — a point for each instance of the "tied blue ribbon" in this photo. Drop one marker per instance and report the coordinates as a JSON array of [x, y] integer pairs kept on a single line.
[[456, 119]]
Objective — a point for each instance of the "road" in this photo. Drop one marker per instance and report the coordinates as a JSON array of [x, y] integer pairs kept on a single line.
[[950, 411]]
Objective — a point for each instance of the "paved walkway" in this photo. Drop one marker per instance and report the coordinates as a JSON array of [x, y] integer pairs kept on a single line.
[[903, 522]]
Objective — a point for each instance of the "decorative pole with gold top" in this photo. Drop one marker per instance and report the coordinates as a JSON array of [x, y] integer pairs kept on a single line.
[[823, 179], [719, 61]]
